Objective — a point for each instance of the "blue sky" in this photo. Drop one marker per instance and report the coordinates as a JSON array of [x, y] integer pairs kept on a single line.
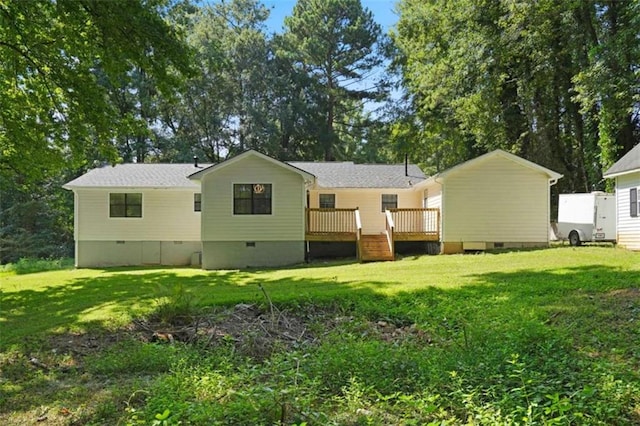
[[382, 12]]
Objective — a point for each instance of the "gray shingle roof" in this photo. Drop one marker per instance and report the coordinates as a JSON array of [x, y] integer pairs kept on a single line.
[[630, 162], [138, 176], [350, 175], [328, 175]]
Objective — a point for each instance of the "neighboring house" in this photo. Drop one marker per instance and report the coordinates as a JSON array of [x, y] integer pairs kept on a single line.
[[626, 173], [497, 200], [253, 210]]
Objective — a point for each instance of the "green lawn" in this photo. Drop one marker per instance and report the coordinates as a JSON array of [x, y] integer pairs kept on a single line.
[[531, 337]]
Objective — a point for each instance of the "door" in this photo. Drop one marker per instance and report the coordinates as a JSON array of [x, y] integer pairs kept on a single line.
[[151, 252], [605, 218]]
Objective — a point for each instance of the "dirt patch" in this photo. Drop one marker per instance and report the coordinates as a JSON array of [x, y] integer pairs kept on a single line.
[[254, 331], [627, 294], [624, 304]]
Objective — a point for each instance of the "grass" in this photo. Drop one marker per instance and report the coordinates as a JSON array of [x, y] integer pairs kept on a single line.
[[530, 337]]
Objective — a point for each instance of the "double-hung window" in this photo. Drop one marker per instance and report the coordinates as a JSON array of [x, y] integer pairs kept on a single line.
[[389, 201], [125, 204], [252, 198], [633, 202], [197, 202], [327, 201]]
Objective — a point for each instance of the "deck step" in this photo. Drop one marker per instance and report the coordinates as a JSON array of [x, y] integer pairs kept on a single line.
[[375, 248]]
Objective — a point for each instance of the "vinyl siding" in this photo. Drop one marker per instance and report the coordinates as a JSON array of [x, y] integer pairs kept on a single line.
[[285, 223], [497, 200], [369, 202], [434, 195], [167, 215], [628, 227], [432, 191]]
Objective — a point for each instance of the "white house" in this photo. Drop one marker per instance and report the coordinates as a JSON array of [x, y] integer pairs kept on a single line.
[[626, 173], [254, 211]]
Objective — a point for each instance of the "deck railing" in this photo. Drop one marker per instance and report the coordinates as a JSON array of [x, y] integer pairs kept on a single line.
[[390, 229], [418, 223], [339, 222]]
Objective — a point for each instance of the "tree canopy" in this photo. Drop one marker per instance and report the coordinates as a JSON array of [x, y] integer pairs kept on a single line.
[[84, 82], [554, 82], [335, 43], [61, 60]]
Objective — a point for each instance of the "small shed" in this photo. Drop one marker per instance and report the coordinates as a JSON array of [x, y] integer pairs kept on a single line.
[[497, 200], [626, 173]]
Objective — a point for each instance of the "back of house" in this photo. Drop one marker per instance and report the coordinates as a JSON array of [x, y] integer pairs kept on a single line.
[[254, 211]]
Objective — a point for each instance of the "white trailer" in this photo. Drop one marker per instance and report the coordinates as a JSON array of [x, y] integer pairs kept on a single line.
[[586, 217]]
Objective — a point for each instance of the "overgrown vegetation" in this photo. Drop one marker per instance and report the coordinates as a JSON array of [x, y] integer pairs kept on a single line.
[[536, 337], [31, 265]]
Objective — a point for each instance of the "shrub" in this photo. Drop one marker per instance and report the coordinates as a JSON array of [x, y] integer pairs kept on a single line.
[[33, 265]]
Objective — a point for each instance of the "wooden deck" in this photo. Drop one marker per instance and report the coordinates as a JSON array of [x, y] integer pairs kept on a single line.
[[416, 224], [335, 225]]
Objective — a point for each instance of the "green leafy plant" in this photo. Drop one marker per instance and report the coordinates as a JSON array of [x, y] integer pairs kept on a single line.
[[176, 305], [31, 265]]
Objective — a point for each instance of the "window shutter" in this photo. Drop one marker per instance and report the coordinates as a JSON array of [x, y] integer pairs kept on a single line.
[[633, 202]]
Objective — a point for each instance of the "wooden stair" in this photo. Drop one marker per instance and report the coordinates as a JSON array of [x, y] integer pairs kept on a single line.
[[375, 248]]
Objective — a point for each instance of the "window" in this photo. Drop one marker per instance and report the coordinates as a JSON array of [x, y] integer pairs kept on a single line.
[[197, 202], [389, 201], [125, 205], [633, 202], [252, 198], [327, 201]]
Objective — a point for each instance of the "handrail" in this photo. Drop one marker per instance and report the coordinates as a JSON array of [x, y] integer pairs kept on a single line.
[[324, 220], [417, 220], [358, 233], [390, 222], [358, 221], [389, 230]]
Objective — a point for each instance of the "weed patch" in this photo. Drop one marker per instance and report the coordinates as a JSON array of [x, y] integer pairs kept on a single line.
[[30, 266]]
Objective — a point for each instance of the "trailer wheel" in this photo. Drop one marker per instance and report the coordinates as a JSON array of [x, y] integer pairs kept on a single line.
[[574, 238]]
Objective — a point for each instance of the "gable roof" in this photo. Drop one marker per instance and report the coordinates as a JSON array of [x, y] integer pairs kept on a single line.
[[629, 163], [250, 153], [137, 175], [553, 176], [350, 175], [325, 174]]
